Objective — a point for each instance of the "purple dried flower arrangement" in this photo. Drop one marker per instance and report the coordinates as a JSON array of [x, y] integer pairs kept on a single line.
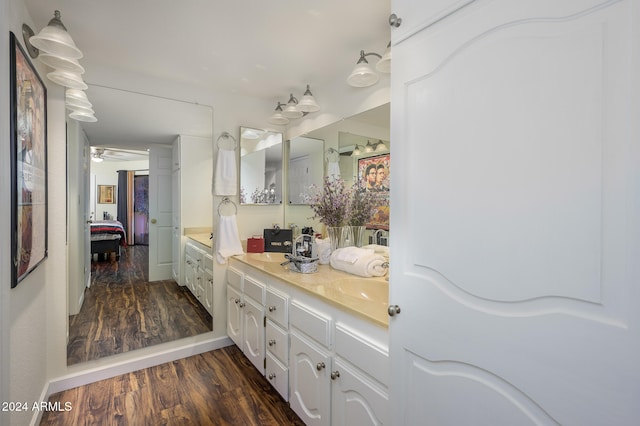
[[330, 204]]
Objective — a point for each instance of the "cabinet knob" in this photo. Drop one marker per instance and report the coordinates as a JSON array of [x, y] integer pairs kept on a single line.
[[272, 308], [236, 301], [272, 376], [394, 21], [320, 366], [272, 342], [393, 310], [242, 304], [335, 375]]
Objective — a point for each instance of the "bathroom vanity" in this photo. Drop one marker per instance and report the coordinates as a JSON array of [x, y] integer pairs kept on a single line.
[[321, 339]]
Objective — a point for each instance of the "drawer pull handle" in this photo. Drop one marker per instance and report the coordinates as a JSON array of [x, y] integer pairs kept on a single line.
[[272, 308], [335, 375], [320, 366], [272, 342], [272, 376]]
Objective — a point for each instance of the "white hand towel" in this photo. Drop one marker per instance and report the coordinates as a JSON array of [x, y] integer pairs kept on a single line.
[[228, 241], [226, 176], [366, 266], [351, 254], [333, 170]]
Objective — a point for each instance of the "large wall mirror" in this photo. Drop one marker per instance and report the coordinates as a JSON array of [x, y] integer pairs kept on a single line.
[[369, 127], [119, 311], [261, 154], [305, 167]]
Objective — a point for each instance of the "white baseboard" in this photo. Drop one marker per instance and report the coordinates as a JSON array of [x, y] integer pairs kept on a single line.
[[147, 357]]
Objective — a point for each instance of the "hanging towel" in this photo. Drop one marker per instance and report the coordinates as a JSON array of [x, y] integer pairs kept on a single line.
[[370, 265], [333, 164], [228, 241], [225, 182]]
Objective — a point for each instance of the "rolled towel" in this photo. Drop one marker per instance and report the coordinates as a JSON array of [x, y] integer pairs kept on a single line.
[[351, 254], [370, 265]]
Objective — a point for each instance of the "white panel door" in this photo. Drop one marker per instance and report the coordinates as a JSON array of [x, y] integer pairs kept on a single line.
[[518, 209], [160, 213]]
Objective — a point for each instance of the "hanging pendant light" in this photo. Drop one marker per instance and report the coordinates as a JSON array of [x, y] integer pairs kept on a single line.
[[278, 117], [384, 64], [61, 63], [83, 116], [55, 40], [308, 102]]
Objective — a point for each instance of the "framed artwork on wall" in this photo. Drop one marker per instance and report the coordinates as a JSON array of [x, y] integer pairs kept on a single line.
[[28, 103], [106, 194], [374, 174]]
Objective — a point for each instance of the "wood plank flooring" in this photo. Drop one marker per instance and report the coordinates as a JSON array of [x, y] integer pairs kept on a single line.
[[215, 388], [122, 311]]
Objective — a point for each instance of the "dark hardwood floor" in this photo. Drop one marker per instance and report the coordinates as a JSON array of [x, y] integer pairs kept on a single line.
[[122, 311], [215, 388]]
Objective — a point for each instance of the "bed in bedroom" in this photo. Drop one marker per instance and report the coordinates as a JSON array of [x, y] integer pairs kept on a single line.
[[107, 236]]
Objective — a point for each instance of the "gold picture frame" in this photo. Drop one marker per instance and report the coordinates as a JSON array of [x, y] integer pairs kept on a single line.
[[106, 194]]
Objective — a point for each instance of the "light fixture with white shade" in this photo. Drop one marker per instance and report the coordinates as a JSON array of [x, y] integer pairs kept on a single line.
[[308, 102], [60, 63], [83, 116], [292, 110], [356, 151], [277, 117], [380, 146], [73, 104], [55, 40], [67, 79], [363, 75]]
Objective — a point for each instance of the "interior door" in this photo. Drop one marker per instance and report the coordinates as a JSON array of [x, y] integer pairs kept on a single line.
[[160, 213], [518, 213]]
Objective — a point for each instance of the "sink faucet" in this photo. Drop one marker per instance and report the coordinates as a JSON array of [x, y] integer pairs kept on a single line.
[[380, 238]]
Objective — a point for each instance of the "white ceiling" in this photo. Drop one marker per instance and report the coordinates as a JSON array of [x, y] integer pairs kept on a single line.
[[259, 48]]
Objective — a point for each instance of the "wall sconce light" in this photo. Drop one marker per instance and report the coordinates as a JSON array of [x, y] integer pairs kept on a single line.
[[55, 48], [380, 146], [363, 75], [294, 109], [356, 151]]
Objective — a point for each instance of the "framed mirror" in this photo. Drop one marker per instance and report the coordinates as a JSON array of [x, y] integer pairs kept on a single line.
[[304, 167], [261, 153]]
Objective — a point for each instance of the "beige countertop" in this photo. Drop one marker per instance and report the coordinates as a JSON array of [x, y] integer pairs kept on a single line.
[[200, 236], [367, 297]]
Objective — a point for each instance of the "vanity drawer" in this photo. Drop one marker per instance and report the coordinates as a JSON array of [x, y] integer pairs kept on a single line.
[[371, 357], [311, 322], [254, 289], [276, 308], [234, 278], [192, 251], [277, 342], [207, 261], [278, 376]]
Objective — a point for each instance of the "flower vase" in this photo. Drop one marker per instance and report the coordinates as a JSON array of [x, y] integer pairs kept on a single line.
[[358, 235], [339, 236]]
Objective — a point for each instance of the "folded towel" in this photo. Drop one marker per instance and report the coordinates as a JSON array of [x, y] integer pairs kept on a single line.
[[228, 241], [351, 254], [226, 176], [324, 250], [378, 249], [370, 265]]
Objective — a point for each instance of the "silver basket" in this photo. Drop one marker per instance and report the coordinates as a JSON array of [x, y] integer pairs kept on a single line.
[[304, 265]]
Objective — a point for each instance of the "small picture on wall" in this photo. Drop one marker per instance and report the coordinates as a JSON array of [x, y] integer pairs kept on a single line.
[[106, 194], [374, 174]]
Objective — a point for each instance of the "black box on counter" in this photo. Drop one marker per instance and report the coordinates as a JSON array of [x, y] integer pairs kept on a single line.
[[278, 240]]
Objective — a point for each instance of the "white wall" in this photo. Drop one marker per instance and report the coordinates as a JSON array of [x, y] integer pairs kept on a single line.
[[106, 173]]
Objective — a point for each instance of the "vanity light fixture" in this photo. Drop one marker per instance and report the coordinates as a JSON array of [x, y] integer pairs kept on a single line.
[[308, 102], [380, 146], [356, 151], [368, 148], [292, 110], [53, 39], [278, 117], [363, 75]]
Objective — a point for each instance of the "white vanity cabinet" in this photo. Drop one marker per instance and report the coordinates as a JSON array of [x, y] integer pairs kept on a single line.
[[331, 364], [245, 316], [198, 273]]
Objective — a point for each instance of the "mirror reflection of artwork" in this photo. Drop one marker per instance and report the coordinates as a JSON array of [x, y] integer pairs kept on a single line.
[[106, 194], [28, 165], [374, 174], [260, 166]]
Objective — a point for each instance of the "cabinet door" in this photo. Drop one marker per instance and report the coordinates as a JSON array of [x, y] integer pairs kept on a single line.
[[309, 383], [190, 273], [207, 282], [234, 316], [253, 323], [355, 399], [278, 375]]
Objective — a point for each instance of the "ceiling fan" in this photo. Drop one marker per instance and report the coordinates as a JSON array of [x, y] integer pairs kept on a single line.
[[117, 154]]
